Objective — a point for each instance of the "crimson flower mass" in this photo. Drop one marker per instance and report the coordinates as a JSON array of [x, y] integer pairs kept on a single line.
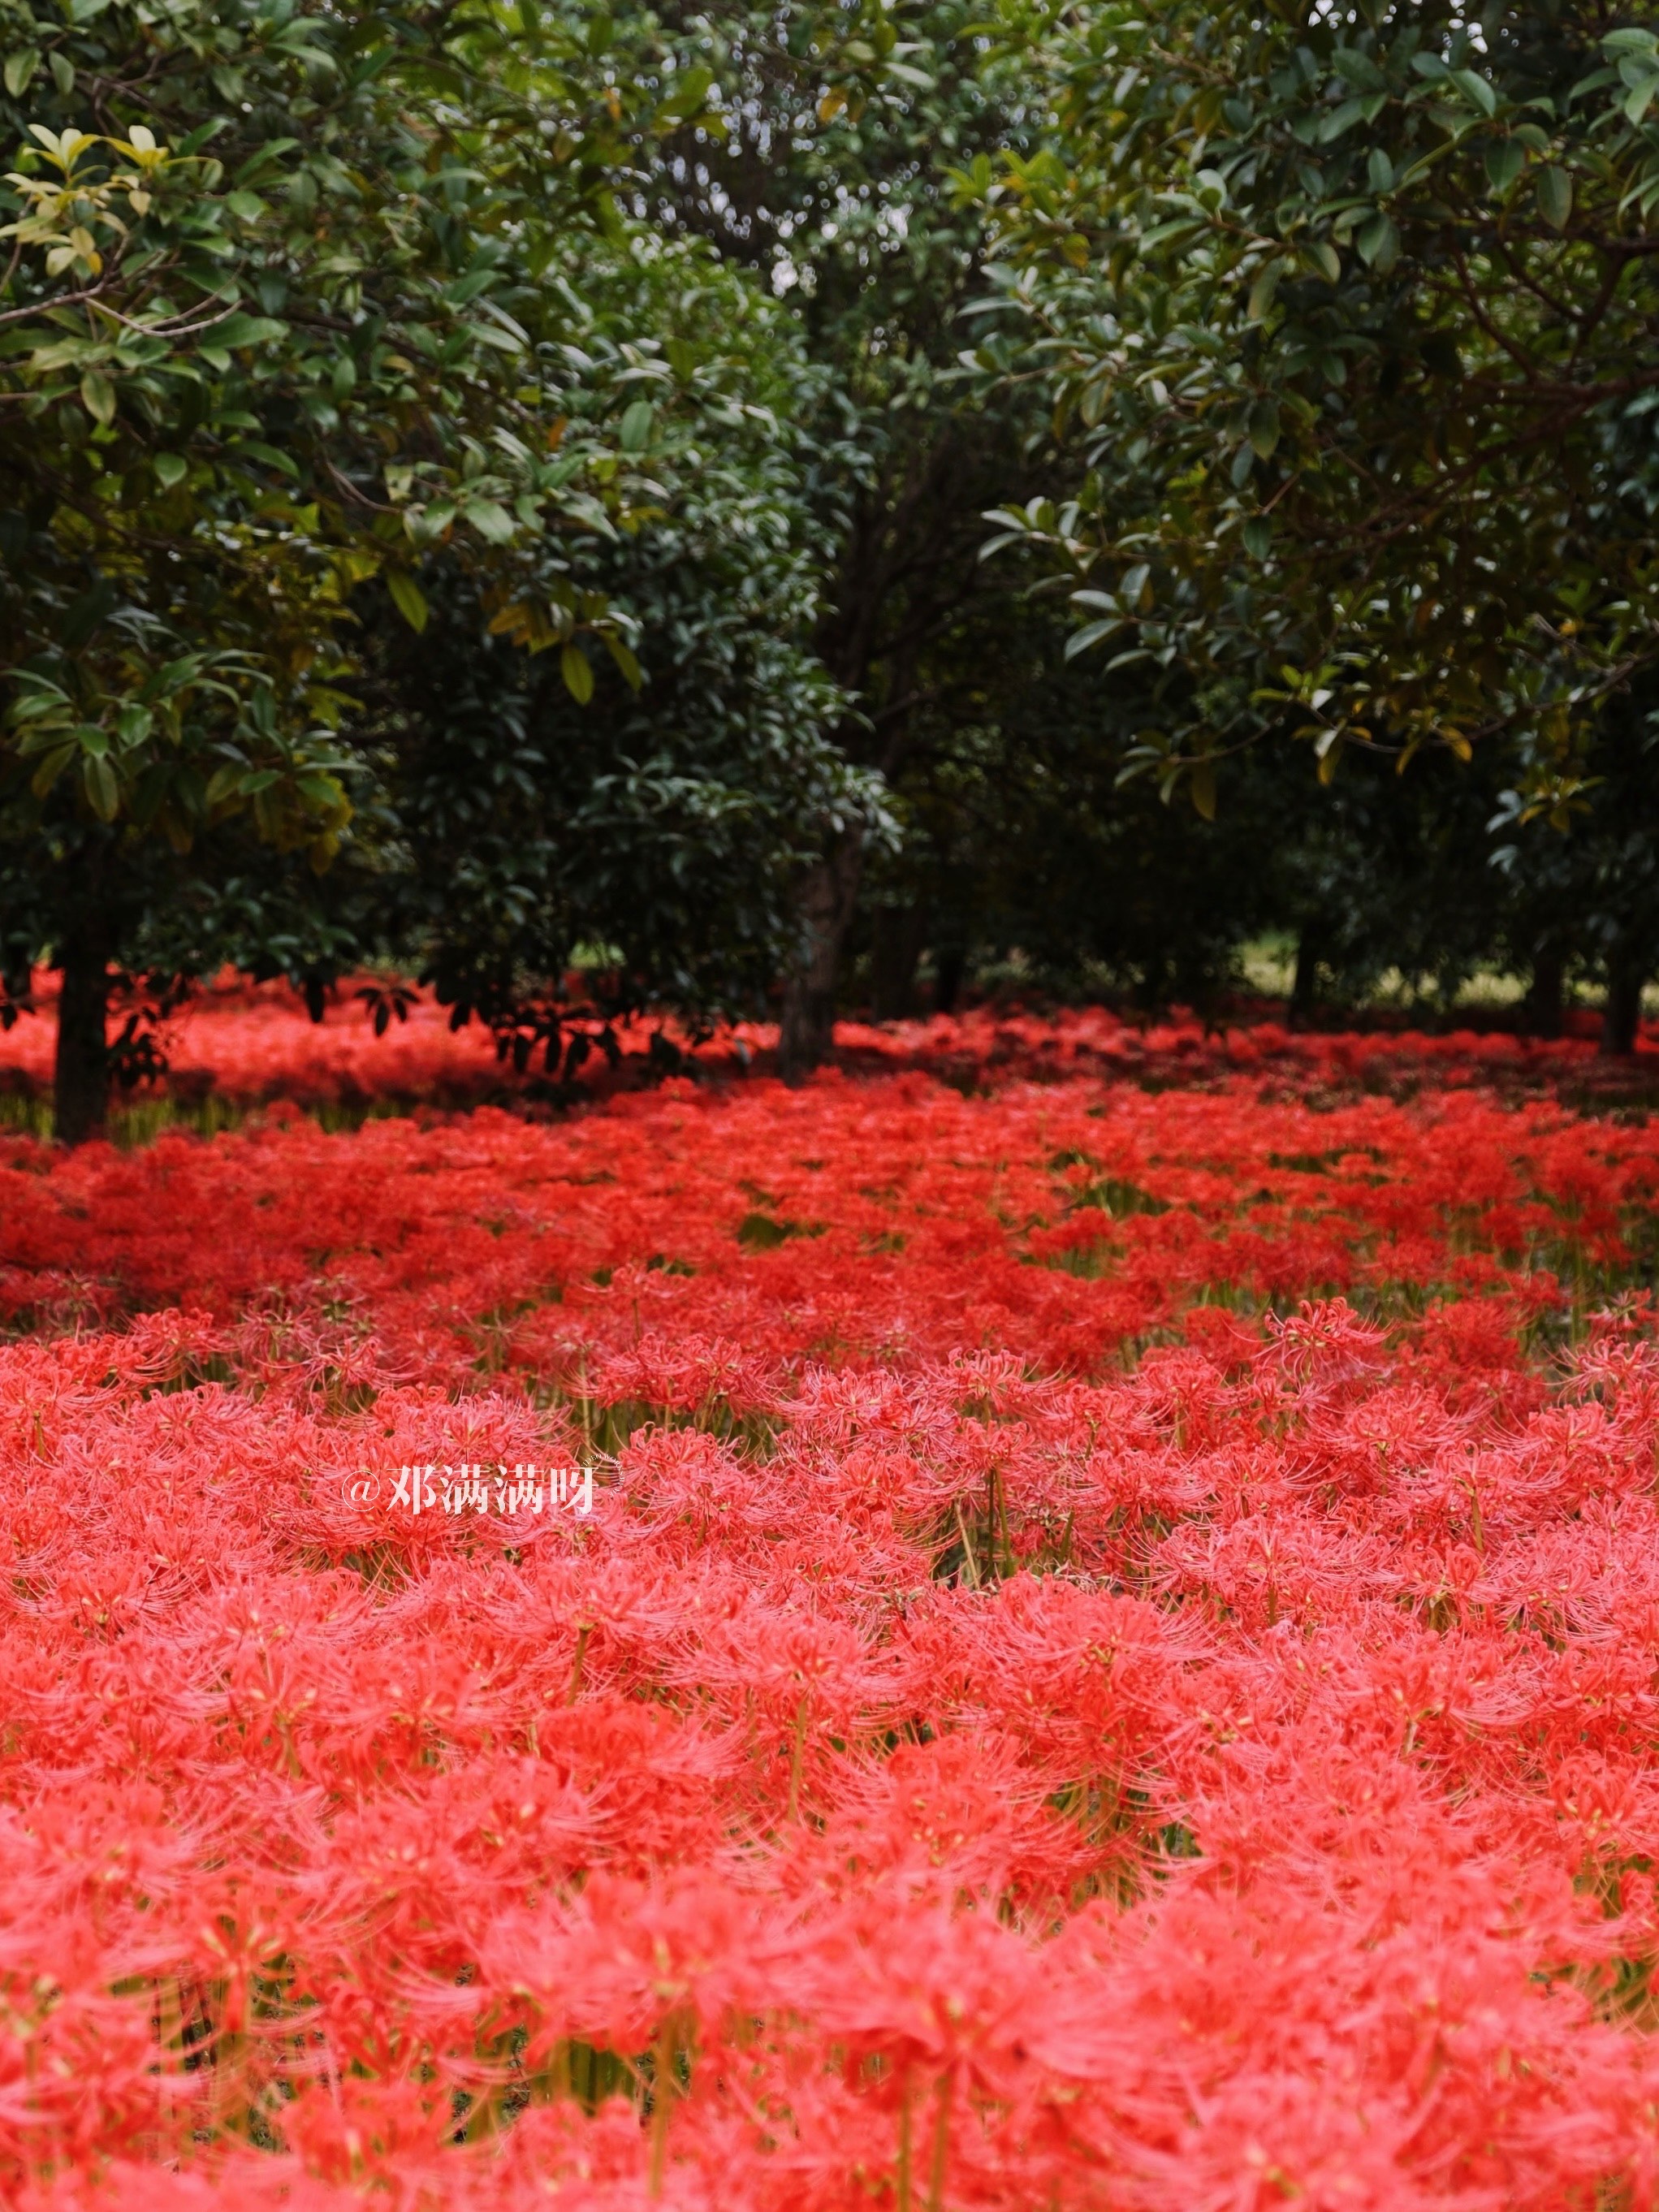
[[1111, 1662]]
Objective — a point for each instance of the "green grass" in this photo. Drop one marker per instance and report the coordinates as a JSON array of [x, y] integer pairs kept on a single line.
[[138, 1121]]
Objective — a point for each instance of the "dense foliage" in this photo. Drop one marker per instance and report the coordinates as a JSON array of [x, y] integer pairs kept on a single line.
[[653, 819], [272, 326], [295, 360], [1353, 314], [500, 495], [836, 198]]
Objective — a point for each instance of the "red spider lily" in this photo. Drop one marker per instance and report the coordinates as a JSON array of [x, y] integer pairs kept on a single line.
[[1111, 1660]]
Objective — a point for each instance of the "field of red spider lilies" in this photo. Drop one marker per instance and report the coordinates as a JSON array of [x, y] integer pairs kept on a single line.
[[1081, 1641], [234, 1047]]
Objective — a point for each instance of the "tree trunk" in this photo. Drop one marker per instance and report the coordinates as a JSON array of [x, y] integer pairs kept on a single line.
[[1623, 1010], [896, 940], [1543, 1007], [81, 1081], [828, 893], [950, 968], [1305, 988]]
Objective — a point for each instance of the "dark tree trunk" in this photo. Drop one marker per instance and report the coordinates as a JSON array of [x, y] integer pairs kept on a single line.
[[1543, 1007], [895, 941], [950, 967], [909, 564], [80, 1081], [1623, 1010], [828, 893], [1304, 986]]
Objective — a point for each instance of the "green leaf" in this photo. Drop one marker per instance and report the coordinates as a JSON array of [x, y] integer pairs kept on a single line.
[[1258, 536], [170, 468], [1262, 291], [1504, 163], [244, 330], [578, 673], [633, 435], [103, 792], [1091, 633], [582, 506], [1183, 227], [1326, 259], [1554, 190], [1339, 121], [1358, 70], [408, 597], [632, 674], [1476, 90], [51, 768], [20, 70], [1639, 97], [34, 704], [255, 449], [41, 698], [493, 523], [689, 93], [1379, 244], [1264, 426], [1202, 788], [98, 396]]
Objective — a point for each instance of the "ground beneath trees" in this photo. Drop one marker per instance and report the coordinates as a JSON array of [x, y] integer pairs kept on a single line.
[[234, 1049]]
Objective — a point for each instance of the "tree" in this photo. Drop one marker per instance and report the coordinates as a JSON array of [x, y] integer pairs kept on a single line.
[[272, 326], [823, 177], [1588, 903], [1347, 314], [1021, 840], [657, 817]]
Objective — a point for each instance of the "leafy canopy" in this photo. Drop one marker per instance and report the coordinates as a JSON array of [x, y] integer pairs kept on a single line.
[[273, 325], [1346, 316]]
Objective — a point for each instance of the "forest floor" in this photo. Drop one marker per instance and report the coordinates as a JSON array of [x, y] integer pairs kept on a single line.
[[236, 1049], [1064, 1616]]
